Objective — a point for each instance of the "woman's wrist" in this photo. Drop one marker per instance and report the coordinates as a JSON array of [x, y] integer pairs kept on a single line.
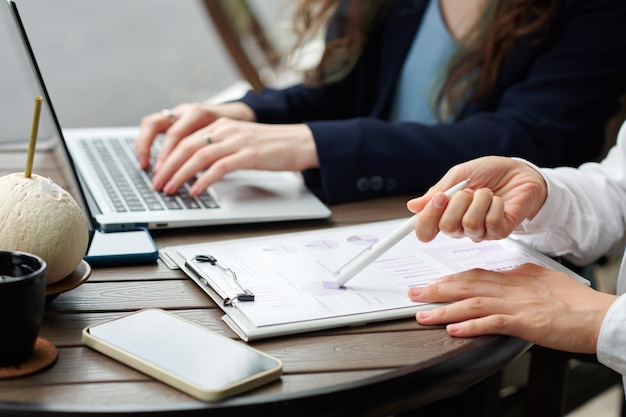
[[238, 111]]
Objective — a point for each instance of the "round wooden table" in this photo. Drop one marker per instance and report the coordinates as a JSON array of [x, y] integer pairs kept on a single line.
[[373, 370]]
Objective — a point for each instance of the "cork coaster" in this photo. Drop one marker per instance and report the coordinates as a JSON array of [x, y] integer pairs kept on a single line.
[[44, 355]]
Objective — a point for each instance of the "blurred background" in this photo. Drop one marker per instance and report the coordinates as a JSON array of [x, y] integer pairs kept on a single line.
[[111, 62]]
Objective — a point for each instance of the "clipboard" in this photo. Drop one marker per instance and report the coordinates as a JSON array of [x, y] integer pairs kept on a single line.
[[289, 277], [229, 276]]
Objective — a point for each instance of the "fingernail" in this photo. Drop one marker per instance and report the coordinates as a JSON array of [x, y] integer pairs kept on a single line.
[[415, 291], [453, 329], [169, 188], [424, 314]]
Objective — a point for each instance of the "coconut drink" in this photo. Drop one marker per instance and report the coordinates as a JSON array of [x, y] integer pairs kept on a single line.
[[40, 217]]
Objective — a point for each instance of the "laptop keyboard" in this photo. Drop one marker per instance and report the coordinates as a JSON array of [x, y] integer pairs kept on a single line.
[[128, 186]]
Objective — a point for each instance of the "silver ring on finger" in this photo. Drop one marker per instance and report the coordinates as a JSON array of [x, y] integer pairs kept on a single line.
[[207, 138], [169, 114]]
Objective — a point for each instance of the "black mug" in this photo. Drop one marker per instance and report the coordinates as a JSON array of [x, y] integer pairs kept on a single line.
[[22, 302]]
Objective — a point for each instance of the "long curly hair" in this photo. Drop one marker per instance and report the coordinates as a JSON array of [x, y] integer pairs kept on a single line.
[[472, 72]]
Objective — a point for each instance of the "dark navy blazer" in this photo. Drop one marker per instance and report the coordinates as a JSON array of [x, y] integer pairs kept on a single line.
[[550, 105]]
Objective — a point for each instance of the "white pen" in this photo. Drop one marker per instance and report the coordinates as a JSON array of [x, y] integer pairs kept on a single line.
[[372, 252]]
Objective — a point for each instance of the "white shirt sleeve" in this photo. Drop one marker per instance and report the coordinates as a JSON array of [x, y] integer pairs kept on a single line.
[[584, 216], [612, 341]]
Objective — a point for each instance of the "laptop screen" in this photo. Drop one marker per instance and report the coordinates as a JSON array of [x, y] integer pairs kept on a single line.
[[19, 88], [29, 84]]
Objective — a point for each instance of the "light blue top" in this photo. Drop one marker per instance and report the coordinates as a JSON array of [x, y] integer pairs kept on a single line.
[[423, 69]]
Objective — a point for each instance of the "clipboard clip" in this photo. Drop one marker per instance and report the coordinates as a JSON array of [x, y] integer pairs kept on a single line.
[[244, 295]]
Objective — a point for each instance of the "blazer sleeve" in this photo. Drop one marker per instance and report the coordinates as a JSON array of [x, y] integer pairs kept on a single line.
[[552, 113]]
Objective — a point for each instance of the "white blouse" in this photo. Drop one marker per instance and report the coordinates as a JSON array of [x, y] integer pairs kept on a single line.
[[583, 218]]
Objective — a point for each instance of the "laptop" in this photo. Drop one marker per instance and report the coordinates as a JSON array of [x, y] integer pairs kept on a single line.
[[102, 168]]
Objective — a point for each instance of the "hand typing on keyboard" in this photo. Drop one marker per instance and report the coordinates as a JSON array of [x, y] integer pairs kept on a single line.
[[233, 145], [129, 187]]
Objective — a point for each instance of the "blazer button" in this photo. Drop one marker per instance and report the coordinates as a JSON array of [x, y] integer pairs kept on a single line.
[[376, 182], [362, 184]]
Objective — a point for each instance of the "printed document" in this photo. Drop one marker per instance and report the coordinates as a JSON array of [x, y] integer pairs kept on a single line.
[[291, 275]]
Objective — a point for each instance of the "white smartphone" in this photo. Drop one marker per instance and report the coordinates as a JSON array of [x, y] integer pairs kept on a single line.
[[193, 359]]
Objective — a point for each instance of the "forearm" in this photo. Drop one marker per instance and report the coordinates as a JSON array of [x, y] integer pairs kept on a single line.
[[234, 110]]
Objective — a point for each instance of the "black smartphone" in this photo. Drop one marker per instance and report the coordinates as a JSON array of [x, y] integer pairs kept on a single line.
[[127, 246]]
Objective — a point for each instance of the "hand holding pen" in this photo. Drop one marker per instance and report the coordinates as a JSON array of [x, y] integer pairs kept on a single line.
[[504, 192], [373, 252]]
